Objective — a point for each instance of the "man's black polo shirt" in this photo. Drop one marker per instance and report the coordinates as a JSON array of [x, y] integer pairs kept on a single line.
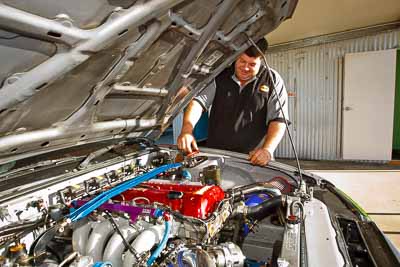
[[239, 116]]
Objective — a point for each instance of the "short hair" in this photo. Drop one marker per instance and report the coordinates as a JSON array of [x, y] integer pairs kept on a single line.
[[253, 51]]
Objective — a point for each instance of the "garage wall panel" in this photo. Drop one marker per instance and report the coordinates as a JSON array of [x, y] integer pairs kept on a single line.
[[314, 78]]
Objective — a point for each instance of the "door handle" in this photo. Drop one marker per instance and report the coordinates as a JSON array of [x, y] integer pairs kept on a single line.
[[348, 108]]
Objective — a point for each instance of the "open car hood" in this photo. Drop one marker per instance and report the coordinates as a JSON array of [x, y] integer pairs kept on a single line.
[[76, 72]]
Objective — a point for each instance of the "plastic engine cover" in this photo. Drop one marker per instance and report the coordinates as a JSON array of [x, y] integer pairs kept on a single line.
[[191, 200]]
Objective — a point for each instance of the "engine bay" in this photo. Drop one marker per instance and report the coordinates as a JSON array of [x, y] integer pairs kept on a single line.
[[159, 208]]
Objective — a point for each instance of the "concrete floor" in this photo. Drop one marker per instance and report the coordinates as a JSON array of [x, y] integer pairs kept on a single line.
[[377, 192], [375, 186]]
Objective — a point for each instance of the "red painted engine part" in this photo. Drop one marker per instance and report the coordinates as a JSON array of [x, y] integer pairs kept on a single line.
[[191, 200]]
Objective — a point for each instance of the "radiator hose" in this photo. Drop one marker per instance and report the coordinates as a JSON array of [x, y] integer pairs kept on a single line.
[[264, 209], [163, 242]]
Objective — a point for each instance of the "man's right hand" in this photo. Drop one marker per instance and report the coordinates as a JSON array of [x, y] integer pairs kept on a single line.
[[187, 142]]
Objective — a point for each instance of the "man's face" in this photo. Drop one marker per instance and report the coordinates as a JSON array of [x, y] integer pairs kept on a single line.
[[247, 67]]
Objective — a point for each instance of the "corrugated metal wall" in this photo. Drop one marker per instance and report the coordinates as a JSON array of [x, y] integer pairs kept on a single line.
[[313, 76]]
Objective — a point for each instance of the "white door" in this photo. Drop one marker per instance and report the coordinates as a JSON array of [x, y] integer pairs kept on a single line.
[[368, 103]]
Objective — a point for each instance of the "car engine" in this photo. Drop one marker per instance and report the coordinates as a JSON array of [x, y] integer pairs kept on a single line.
[[157, 209]]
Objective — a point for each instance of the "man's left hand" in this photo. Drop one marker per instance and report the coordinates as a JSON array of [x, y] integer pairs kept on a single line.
[[260, 156]]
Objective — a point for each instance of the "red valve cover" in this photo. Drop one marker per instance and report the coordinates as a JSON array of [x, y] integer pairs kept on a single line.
[[191, 200]]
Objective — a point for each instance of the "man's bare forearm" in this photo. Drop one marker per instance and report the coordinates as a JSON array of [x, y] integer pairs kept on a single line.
[[191, 116], [275, 132], [186, 141]]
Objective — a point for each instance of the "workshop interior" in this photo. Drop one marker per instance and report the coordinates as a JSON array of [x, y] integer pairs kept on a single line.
[[91, 100]]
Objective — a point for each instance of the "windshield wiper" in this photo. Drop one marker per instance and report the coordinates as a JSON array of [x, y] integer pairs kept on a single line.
[[146, 142], [96, 154], [40, 164]]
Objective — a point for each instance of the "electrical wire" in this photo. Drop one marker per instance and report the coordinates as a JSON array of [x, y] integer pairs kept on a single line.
[[268, 71], [116, 228]]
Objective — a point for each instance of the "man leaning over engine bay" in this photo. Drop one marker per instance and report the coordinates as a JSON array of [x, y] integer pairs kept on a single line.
[[245, 115]]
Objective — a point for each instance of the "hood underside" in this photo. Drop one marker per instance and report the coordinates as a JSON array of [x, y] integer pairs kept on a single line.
[[75, 72]]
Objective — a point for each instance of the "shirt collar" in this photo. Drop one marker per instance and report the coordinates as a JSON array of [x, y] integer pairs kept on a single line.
[[235, 79]]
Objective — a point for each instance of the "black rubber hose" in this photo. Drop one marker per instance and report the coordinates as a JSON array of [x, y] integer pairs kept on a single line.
[[267, 188], [265, 209]]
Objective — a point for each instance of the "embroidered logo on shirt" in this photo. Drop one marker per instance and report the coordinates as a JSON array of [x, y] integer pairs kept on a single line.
[[264, 89]]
